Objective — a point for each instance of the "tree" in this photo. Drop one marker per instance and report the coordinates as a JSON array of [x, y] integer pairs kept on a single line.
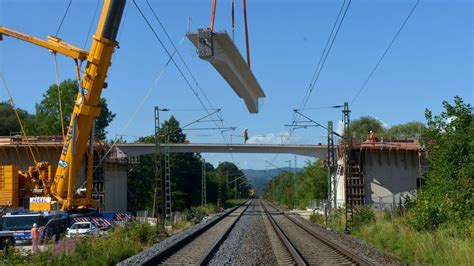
[[361, 127], [185, 169], [8, 120], [312, 183], [48, 111], [227, 172], [408, 130], [297, 190], [448, 196]]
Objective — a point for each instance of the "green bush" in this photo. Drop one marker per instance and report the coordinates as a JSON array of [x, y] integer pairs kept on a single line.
[[363, 215], [197, 213], [337, 219], [448, 195], [317, 218]]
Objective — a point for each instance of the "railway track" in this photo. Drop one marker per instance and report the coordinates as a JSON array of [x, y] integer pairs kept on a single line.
[[305, 245], [199, 248], [256, 232]]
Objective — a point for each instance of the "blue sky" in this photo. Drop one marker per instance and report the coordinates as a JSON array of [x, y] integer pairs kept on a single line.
[[431, 61]]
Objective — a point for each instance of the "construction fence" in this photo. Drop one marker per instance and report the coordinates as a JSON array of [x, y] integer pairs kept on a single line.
[[390, 203], [147, 216]]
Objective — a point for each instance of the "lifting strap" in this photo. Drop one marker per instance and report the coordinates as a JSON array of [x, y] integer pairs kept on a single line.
[[213, 14]]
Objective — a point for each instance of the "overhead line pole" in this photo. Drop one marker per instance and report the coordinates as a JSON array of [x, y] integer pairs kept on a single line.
[[349, 202]]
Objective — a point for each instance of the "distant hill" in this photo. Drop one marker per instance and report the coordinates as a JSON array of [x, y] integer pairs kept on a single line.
[[260, 178]]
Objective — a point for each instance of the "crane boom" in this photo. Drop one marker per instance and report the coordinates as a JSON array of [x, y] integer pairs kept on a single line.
[[87, 106], [54, 44]]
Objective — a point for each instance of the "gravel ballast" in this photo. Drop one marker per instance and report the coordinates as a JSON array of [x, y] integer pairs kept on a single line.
[[248, 243]]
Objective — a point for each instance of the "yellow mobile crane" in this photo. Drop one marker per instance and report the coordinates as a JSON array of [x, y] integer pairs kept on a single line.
[[41, 178]]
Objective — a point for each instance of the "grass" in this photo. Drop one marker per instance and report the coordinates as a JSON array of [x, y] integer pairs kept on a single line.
[[120, 244], [441, 247], [391, 233], [233, 202], [108, 250]]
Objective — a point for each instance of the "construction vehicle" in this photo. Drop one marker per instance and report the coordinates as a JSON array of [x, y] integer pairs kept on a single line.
[[57, 184]]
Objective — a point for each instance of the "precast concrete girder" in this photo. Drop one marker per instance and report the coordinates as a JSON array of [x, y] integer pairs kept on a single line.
[[219, 49], [136, 149]]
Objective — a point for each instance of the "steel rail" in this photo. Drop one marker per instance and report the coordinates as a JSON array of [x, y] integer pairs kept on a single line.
[[164, 254], [357, 259], [291, 248]]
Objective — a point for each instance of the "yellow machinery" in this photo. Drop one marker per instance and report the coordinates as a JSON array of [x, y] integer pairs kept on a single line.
[[59, 183]]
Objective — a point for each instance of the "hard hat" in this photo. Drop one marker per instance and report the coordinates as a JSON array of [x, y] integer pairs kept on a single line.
[[35, 225], [371, 131]]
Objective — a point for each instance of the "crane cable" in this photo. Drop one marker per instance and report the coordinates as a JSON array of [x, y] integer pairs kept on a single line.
[[244, 3], [61, 117], [12, 103], [233, 20]]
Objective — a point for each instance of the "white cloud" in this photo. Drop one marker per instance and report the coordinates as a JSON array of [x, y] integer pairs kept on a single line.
[[384, 124], [274, 138]]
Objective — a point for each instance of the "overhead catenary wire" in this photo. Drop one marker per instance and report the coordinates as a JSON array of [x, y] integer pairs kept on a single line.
[[326, 52], [91, 24], [385, 52], [322, 107], [321, 62], [64, 17], [184, 62], [144, 99], [186, 67], [185, 109]]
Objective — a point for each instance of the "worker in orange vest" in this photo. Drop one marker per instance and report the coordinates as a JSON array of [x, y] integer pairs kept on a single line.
[[34, 237], [372, 137]]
